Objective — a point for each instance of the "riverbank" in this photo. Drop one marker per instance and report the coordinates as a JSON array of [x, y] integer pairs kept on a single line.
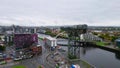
[[64, 62], [82, 63], [108, 48]]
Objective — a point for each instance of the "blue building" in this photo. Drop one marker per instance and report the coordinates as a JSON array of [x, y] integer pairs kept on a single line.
[[117, 42]]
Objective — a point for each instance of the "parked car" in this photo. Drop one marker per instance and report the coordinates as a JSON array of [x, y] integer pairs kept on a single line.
[[2, 61], [27, 56], [30, 56], [1, 55], [17, 58]]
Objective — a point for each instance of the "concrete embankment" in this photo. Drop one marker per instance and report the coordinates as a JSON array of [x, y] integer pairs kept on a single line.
[[107, 48], [81, 62]]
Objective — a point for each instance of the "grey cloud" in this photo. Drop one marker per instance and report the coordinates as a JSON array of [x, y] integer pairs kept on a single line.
[[85, 11]]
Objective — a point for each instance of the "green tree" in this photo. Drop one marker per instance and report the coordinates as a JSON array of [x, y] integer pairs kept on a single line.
[[113, 38], [95, 33], [2, 48]]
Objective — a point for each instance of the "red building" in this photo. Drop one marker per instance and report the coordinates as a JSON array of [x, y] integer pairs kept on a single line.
[[36, 49]]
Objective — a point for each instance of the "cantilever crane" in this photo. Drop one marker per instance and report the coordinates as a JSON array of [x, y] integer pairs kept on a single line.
[[74, 33]]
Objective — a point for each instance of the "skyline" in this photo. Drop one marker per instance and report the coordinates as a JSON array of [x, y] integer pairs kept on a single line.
[[60, 12]]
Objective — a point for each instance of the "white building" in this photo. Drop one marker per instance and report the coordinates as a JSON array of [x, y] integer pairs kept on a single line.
[[90, 37], [50, 41]]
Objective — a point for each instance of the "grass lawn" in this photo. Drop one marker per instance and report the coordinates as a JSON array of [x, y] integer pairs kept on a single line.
[[19, 66], [40, 38], [100, 43]]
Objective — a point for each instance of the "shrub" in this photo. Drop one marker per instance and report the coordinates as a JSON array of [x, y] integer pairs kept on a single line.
[[70, 56], [2, 48]]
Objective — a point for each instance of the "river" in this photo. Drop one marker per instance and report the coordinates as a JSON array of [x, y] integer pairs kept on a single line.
[[100, 58]]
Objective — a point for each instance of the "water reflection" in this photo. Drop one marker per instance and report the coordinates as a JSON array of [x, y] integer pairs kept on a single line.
[[117, 55], [100, 58], [84, 50]]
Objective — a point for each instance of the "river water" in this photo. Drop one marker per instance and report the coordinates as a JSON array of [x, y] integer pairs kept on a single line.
[[100, 58]]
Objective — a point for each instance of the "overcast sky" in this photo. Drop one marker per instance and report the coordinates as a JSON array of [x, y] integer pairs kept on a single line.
[[60, 12]]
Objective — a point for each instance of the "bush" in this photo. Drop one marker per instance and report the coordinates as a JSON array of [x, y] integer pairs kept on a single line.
[[40, 38], [2, 48], [10, 43], [40, 66], [70, 56]]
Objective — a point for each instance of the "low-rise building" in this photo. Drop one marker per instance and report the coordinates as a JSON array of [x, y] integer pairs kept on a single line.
[[90, 37], [117, 42]]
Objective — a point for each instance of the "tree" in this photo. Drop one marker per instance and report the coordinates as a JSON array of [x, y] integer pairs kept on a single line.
[[113, 38], [40, 66], [2, 48], [95, 33]]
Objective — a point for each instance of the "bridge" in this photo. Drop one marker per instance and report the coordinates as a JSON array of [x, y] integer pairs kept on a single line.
[[79, 44]]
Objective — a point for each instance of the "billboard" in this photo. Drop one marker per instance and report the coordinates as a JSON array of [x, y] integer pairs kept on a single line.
[[25, 40]]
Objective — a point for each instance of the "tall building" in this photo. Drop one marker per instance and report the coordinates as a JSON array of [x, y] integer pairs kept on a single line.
[[25, 40]]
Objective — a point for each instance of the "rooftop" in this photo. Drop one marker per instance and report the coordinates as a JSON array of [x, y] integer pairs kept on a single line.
[[118, 39], [51, 38]]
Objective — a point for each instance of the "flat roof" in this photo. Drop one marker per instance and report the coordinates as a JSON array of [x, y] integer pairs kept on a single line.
[[51, 38], [38, 45]]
